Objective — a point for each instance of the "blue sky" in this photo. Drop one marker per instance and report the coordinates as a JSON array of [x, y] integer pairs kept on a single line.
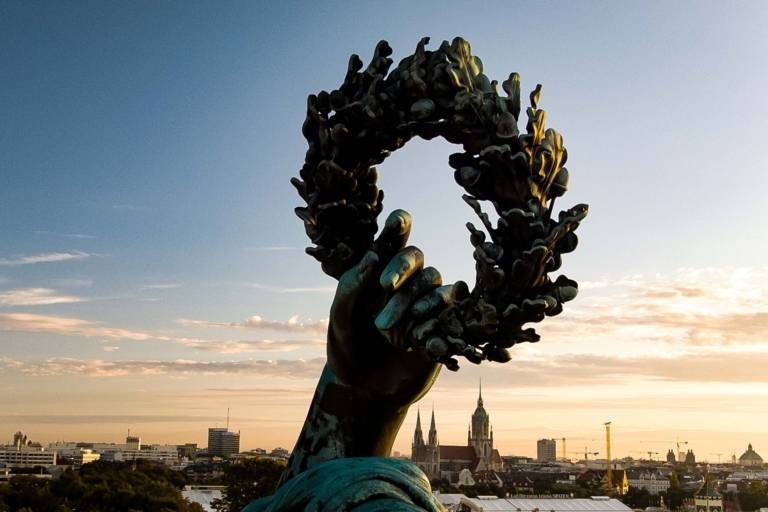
[[147, 148]]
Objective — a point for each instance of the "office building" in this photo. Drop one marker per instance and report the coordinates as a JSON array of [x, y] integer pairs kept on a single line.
[[546, 450], [222, 442]]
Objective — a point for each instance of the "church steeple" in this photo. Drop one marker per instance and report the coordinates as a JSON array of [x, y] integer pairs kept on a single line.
[[480, 394], [418, 436], [433, 431]]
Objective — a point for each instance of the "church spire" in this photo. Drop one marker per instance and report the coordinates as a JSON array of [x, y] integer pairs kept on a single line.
[[418, 436], [433, 430], [480, 395]]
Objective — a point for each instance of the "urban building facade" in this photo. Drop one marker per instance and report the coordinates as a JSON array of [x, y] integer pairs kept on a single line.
[[708, 499], [546, 450], [652, 481], [27, 457], [84, 456], [750, 457], [222, 442], [448, 461]]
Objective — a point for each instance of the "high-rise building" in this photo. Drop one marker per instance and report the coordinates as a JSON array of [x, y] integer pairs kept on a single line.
[[222, 442], [187, 451], [19, 440], [132, 442], [546, 450]]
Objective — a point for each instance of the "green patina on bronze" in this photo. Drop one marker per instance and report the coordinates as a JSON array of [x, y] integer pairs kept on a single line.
[[393, 324]]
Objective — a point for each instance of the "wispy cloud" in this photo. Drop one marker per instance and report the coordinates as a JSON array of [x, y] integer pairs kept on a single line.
[[293, 324], [566, 371], [161, 286], [243, 346], [276, 289], [67, 326], [28, 322], [50, 257], [692, 307], [72, 282], [297, 369], [9, 362], [35, 297], [272, 248], [632, 373], [99, 419], [279, 289], [76, 236], [110, 348]]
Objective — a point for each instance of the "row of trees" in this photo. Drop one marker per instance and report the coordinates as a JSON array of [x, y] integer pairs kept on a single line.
[[118, 487], [99, 487]]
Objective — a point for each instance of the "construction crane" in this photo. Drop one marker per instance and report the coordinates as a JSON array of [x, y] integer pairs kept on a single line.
[[718, 456], [588, 453], [677, 442], [609, 472], [651, 454], [566, 452]]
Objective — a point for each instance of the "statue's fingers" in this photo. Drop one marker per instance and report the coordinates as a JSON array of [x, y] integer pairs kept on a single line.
[[405, 263], [394, 234], [434, 301], [397, 306], [354, 281]]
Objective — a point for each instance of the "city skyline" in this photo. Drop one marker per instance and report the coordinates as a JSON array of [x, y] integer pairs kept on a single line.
[[152, 271]]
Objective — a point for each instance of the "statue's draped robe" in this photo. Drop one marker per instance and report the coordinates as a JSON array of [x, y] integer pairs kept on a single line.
[[361, 484]]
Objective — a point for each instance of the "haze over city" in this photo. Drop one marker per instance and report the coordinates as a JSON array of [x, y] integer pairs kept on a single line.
[[153, 274]]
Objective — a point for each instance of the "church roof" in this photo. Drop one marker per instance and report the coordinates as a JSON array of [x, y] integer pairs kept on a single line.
[[480, 411], [708, 490], [454, 452], [750, 455]]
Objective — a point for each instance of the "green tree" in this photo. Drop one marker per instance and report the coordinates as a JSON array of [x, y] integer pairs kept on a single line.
[[753, 496], [674, 481], [100, 487], [29, 492], [246, 481], [638, 498]]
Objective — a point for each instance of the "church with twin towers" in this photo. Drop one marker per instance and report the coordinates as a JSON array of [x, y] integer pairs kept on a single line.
[[446, 461]]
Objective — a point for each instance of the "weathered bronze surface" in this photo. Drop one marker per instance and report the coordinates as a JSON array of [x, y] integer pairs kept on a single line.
[[393, 324], [445, 93]]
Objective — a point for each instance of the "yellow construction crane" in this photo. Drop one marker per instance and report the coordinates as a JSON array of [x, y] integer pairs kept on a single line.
[[609, 472], [565, 452]]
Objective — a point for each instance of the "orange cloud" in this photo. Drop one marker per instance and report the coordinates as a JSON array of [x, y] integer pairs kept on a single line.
[[64, 326]]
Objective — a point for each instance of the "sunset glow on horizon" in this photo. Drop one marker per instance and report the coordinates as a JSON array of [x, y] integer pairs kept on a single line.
[[153, 274]]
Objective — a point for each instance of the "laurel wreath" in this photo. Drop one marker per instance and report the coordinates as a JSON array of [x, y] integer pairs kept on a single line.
[[445, 93]]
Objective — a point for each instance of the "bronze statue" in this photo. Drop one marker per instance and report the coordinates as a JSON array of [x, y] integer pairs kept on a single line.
[[393, 323]]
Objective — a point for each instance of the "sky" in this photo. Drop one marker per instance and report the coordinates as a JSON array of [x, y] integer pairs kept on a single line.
[[152, 271]]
